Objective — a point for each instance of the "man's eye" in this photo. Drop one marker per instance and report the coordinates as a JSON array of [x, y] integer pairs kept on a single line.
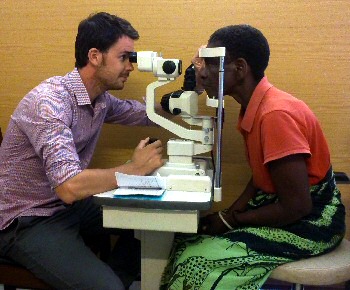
[[124, 57]]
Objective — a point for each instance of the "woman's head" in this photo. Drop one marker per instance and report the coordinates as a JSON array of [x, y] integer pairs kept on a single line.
[[244, 41]]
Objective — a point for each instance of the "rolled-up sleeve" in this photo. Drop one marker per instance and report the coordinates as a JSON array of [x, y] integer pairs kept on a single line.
[[47, 123]]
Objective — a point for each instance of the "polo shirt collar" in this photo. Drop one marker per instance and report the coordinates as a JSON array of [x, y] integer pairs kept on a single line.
[[77, 87], [254, 103]]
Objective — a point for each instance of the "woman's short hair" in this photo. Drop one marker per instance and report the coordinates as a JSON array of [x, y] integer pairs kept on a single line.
[[247, 42]]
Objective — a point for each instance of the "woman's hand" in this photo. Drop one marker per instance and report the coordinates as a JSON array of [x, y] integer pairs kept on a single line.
[[213, 224]]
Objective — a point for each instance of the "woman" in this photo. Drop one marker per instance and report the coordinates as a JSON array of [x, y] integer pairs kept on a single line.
[[290, 209]]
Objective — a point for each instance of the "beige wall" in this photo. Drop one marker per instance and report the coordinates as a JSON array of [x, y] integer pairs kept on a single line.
[[310, 49]]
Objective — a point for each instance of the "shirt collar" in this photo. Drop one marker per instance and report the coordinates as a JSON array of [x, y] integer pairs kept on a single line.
[[254, 103], [76, 87]]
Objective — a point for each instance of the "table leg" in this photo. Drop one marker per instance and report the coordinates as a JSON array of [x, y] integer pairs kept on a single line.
[[155, 249]]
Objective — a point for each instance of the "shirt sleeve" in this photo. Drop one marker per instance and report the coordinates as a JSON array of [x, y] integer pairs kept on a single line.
[[282, 135], [46, 121], [126, 112]]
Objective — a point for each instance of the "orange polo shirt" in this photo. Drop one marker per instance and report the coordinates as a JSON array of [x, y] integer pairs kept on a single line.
[[275, 125]]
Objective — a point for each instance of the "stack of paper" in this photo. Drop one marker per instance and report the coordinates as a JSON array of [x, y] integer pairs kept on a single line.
[[139, 185]]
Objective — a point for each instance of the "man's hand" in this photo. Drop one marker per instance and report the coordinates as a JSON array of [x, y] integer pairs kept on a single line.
[[147, 157]]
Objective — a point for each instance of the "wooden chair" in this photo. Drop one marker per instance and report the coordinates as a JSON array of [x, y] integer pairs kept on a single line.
[[13, 276]]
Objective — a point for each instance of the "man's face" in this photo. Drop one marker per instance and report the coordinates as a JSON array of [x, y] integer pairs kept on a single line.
[[210, 74], [115, 68]]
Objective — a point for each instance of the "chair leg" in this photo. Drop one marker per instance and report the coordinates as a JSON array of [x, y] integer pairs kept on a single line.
[[297, 286]]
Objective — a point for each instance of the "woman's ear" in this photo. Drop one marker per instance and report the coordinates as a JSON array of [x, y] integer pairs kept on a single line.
[[241, 67]]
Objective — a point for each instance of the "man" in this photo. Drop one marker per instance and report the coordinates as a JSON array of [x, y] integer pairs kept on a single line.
[[290, 208], [45, 185]]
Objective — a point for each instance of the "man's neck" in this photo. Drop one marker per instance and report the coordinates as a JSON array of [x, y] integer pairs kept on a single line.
[[91, 84]]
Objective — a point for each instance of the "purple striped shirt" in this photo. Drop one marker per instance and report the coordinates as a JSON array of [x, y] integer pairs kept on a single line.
[[50, 138]]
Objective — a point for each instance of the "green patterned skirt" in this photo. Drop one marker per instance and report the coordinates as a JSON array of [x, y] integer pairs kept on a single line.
[[243, 258]]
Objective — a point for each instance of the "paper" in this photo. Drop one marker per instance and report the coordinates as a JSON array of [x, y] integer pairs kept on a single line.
[[139, 185]]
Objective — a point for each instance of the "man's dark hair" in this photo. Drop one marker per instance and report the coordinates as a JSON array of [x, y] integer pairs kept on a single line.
[[247, 42], [101, 31]]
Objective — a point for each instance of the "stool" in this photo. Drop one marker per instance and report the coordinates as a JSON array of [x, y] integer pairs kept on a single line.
[[14, 276], [328, 269]]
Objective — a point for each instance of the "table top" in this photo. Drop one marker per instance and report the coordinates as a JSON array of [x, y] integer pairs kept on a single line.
[[175, 200]]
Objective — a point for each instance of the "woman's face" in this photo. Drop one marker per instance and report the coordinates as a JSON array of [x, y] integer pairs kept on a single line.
[[209, 74]]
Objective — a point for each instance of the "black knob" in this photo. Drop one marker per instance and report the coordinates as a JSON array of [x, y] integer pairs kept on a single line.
[[169, 67], [164, 102], [166, 99], [176, 111]]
